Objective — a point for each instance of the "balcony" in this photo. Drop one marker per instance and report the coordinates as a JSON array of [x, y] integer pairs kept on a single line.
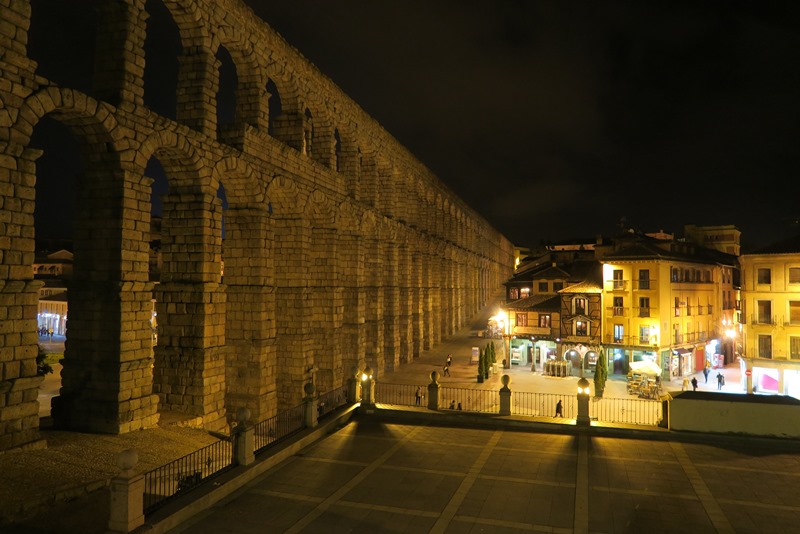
[[617, 311], [644, 284], [642, 312], [616, 285], [767, 320], [649, 341]]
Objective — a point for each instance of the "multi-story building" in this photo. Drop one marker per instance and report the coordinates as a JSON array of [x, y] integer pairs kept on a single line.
[[665, 300], [771, 317]]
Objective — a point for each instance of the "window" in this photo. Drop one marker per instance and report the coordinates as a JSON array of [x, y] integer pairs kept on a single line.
[[581, 328], [674, 275], [618, 307], [525, 292], [619, 333], [544, 320], [794, 347], [542, 287], [644, 279], [794, 311], [619, 283], [579, 306], [558, 286], [521, 319], [794, 275], [513, 293], [764, 312], [764, 346], [644, 306], [644, 335], [764, 276], [677, 307], [688, 307]]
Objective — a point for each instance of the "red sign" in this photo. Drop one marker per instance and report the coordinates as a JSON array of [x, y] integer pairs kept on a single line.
[[748, 372]]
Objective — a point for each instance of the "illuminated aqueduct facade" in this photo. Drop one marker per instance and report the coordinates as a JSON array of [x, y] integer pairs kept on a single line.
[[340, 248]]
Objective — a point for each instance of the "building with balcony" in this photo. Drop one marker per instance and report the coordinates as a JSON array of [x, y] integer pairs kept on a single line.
[[771, 317], [666, 300]]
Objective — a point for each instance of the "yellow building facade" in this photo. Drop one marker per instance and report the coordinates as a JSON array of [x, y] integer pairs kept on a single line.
[[669, 302]]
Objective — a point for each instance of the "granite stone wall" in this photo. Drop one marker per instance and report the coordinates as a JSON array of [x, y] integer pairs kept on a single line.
[[339, 248]]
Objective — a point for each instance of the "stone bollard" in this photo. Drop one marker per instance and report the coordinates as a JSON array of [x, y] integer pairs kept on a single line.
[[354, 386], [583, 403], [310, 406], [505, 396], [244, 438], [433, 391], [367, 388], [127, 495]]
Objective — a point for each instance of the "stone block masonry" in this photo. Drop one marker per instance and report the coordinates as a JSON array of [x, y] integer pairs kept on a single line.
[[339, 248]]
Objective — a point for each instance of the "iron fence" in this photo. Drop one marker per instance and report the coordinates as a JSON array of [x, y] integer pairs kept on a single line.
[[331, 400], [277, 428], [633, 411], [471, 400], [399, 394], [543, 404], [184, 474]]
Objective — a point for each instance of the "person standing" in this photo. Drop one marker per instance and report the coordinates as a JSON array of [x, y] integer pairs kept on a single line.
[[418, 395], [559, 409], [720, 381], [706, 370], [694, 383]]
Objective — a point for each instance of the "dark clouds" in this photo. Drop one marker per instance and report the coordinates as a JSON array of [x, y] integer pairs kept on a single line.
[[556, 119]]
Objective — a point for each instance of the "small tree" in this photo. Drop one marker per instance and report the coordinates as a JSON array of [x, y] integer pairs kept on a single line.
[[42, 367], [492, 355], [481, 359], [600, 374]]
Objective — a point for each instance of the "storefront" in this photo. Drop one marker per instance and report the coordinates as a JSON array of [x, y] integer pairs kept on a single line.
[[543, 350]]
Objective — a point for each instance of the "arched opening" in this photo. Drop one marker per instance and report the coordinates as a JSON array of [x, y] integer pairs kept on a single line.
[[337, 150], [57, 172], [274, 107], [61, 40], [226, 93], [308, 133], [162, 47]]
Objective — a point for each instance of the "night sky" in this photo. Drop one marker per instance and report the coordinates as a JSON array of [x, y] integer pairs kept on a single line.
[[558, 120]]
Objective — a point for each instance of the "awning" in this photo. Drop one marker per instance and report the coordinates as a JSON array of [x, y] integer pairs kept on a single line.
[[682, 352], [646, 367]]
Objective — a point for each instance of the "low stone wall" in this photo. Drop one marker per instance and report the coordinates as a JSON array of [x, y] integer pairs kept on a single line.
[[752, 415]]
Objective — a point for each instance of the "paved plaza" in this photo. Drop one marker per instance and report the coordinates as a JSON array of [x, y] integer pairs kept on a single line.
[[379, 476]]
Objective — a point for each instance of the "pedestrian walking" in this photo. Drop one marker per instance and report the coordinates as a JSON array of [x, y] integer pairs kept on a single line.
[[706, 370], [685, 385], [694, 383], [720, 381], [559, 409], [418, 395], [449, 360], [447, 370]]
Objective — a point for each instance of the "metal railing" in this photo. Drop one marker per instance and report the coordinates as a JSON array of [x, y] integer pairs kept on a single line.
[[632, 411], [543, 404], [470, 400], [278, 428], [330, 400], [184, 474], [398, 394]]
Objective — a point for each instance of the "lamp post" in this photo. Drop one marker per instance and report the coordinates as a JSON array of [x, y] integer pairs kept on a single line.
[[583, 402], [507, 339]]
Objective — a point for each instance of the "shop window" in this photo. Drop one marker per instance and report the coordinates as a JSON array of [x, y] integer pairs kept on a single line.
[[764, 276]]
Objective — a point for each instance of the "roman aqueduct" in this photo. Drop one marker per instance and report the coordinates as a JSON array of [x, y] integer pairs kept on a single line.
[[340, 249]]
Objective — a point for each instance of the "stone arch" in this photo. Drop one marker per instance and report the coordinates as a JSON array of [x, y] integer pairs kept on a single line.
[[251, 83], [243, 186]]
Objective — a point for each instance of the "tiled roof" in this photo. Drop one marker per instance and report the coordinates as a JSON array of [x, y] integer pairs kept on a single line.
[[536, 302], [586, 286], [786, 246]]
